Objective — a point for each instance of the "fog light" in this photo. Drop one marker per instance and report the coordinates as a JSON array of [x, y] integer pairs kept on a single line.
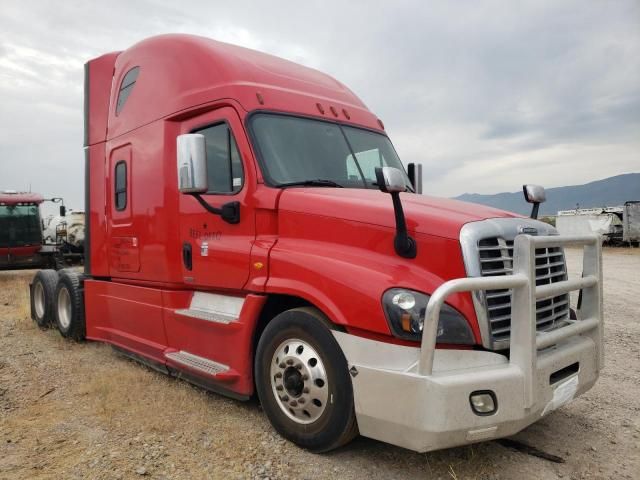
[[483, 402]]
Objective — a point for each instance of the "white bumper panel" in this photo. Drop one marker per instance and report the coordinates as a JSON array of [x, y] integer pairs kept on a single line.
[[397, 405]]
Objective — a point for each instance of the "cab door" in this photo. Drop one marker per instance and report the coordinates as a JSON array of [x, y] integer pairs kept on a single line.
[[215, 253]]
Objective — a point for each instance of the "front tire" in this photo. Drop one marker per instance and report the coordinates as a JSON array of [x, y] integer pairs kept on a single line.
[[69, 308], [303, 382], [43, 290]]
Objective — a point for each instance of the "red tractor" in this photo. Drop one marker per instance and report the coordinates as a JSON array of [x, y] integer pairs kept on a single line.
[[21, 234]]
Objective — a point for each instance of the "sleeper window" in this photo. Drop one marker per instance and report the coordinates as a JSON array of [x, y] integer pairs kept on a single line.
[[120, 185], [224, 165], [128, 82]]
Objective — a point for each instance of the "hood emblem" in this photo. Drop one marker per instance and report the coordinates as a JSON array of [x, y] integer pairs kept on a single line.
[[527, 230]]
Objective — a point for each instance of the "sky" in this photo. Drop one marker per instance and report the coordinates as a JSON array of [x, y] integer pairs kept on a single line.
[[487, 95]]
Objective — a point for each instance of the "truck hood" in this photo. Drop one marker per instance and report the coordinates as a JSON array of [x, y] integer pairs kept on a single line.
[[429, 215]]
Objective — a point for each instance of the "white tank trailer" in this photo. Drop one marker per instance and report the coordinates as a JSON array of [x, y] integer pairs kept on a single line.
[[67, 231]]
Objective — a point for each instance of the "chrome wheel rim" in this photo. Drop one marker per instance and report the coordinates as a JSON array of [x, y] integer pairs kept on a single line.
[[299, 381], [64, 308], [38, 300]]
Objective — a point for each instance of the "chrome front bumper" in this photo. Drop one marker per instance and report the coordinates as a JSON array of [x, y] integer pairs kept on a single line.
[[419, 398]]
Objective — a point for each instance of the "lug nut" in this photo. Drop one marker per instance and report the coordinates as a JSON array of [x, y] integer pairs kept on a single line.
[[305, 390], [278, 387], [279, 375], [290, 361], [305, 377], [282, 365], [299, 366], [285, 398], [301, 400], [293, 403]]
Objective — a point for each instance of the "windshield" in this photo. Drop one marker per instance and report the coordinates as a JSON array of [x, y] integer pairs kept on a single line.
[[297, 150], [19, 225]]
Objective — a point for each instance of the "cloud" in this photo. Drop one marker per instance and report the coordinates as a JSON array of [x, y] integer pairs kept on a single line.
[[485, 94]]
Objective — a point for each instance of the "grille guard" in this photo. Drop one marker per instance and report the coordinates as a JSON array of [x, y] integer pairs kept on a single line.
[[525, 340]]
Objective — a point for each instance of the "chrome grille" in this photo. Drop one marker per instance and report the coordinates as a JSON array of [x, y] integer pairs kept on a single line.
[[496, 258]]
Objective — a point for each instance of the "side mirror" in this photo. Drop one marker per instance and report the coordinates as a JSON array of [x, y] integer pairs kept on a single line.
[[391, 180], [63, 211], [536, 195], [414, 171], [192, 175], [192, 163]]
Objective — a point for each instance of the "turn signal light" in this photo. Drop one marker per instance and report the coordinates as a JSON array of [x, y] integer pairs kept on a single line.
[[405, 319], [483, 402]]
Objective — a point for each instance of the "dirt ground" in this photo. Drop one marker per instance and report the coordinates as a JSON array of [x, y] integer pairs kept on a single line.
[[82, 411]]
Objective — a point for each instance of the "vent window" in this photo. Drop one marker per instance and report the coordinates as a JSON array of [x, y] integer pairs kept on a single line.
[[128, 82]]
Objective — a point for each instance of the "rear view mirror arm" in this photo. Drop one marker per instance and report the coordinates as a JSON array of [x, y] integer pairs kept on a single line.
[[390, 180], [404, 245], [230, 211], [534, 210]]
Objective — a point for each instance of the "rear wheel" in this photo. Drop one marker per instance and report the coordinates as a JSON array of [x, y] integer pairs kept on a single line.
[[69, 308], [303, 382], [43, 290]]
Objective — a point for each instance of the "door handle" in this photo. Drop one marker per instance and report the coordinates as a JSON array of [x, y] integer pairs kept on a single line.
[[187, 256]]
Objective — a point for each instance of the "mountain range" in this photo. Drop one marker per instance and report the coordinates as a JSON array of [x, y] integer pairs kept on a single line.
[[607, 192]]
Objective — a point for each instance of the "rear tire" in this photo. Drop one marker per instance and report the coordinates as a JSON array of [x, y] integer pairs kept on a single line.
[[69, 305], [303, 382], [43, 289]]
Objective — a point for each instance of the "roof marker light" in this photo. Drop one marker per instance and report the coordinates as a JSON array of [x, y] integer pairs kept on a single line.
[[346, 114], [381, 124], [260, 99], [333, 110], [320, 108]]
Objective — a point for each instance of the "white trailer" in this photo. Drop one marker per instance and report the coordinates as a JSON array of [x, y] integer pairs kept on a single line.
[[631, 223], [605, 222]]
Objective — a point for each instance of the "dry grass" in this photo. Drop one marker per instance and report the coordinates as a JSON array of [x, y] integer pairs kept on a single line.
[[15, 292], [114, 395]]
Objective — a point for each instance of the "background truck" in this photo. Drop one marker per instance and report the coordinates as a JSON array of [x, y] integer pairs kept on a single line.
[[22, 244], [251, 229], [616, 226]]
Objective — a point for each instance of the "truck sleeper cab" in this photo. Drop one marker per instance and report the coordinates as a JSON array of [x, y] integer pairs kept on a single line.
[[252, 230]]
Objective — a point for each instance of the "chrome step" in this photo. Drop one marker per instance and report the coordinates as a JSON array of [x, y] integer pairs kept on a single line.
[[213, 307], [216, 317], [197, 363]]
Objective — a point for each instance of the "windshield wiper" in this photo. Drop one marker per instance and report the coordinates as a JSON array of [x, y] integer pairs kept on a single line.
[[311, 183]]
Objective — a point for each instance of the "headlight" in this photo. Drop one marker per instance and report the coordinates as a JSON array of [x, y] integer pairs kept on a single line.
[[405, 310]]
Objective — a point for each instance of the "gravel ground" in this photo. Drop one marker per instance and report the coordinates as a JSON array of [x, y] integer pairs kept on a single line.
[[83, 411]]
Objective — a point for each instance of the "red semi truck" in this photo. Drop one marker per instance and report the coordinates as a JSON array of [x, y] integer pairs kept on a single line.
[[251, 229]]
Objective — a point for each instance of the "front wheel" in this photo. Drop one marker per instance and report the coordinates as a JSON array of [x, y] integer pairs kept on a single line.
[[303, 382]]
